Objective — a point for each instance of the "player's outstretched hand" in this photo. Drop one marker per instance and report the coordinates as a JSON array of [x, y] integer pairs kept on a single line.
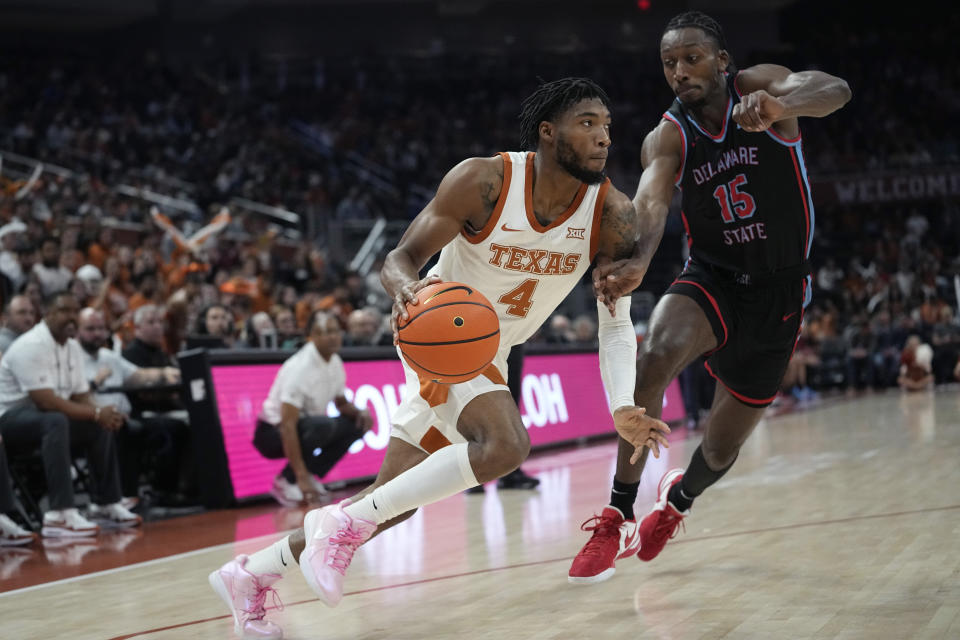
[[636, 427], [407, 294], [613, 279], [757, 111]]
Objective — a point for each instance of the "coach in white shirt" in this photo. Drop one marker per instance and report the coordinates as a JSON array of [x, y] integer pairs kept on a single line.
[[294, 422], [45, 402]]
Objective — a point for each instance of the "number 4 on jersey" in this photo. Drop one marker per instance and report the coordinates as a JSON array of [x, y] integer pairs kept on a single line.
[[519, 299]]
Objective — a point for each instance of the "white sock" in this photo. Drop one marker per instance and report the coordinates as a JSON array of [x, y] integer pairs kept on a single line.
[[276, 559], [444, 473]]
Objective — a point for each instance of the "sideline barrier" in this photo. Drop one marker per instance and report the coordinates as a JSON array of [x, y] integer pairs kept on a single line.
[[562, 401]]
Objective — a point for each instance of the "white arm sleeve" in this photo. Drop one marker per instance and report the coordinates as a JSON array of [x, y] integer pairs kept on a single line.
[[618, 353]]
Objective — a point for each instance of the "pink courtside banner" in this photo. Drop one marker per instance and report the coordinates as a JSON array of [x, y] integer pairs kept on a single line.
[[562, 400]]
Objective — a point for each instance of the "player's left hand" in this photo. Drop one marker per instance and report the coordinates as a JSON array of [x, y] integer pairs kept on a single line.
[[641, 431], [611, 280], [407, 295], [757, 111]]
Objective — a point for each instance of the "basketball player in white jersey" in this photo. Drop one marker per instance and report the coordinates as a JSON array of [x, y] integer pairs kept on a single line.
[[522, 228]]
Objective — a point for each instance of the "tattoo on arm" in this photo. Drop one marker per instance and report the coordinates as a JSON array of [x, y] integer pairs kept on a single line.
[[619, 228], [490, 192]]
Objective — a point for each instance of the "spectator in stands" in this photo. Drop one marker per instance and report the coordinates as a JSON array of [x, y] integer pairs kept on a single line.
[[365, 329], [214, 326], [861, 344], [916, 372], [146, 348], [19, 317], [561, 330], [259, 331], [11, 238], [45, 402], [293, 423], [33, 290], [105, 370], [584, 330], [886, 352], [286, 323], [53, 276]]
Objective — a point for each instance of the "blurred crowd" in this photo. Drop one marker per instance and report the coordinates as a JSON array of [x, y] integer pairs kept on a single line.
[[129, 209]]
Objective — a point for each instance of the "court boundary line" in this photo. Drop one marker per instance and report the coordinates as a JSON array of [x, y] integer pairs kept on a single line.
[[145, 563], [732, 534]]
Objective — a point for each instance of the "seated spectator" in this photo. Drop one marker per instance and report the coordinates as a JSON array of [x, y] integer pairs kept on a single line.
[[364, 329], [916, 365], [166, 438], [45, 403], [146, 348], [11, 533], [293, 423], [861, 344], [561, 330], [259, 331], [53, 276], [214, 328], [286, 323], [20, 316], [585, 330]]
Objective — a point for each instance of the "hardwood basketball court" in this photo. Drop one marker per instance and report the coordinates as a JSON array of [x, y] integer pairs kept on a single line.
[[840, 521]]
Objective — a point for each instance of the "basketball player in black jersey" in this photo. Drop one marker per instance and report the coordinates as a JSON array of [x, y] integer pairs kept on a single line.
[[731, 143]]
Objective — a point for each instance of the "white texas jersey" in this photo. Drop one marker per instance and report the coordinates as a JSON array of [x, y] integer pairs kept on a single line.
[[524, 268]]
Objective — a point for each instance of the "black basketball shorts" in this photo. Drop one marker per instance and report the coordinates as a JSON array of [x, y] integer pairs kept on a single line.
[[756, 325]]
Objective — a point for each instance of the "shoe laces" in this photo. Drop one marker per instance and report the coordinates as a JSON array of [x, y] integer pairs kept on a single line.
[[258, 605], [344, 545], [603, 530], [669, 523]]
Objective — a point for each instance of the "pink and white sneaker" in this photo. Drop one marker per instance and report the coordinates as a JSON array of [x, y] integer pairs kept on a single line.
[[246, 595], [332, 539]]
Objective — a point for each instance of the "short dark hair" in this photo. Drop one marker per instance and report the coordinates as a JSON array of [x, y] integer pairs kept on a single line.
[[51, 299], [550, 100]]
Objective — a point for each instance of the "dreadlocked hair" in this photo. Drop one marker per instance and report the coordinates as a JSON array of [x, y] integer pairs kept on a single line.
[[550, 100], [700, 20]]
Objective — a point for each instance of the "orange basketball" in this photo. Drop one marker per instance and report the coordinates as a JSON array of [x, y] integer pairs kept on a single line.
[[452, 335]]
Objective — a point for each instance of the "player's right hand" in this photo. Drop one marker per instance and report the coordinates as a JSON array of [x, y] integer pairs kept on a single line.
[[641, 430], [613, 279], [407, 294]]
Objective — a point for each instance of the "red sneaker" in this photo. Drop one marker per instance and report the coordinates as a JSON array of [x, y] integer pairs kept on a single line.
[[662, 523], [613, 538]]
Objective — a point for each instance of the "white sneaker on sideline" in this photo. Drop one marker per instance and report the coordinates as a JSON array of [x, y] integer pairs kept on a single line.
[[12, 534], [287, 494], [67, 523], [114, 516]]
